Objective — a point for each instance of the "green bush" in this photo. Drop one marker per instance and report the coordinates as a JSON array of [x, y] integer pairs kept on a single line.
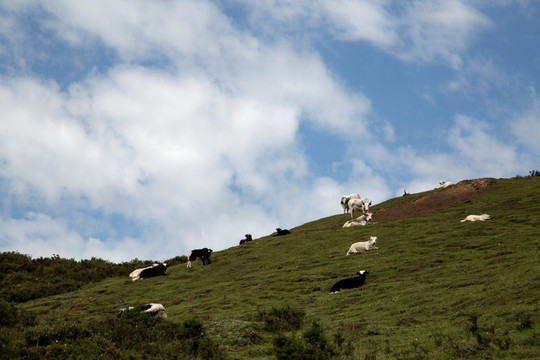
[[313, 344], [44, 335], [23, 278], [133, 336], [281, 319], [154, 335], [11, 316], [8, 314]]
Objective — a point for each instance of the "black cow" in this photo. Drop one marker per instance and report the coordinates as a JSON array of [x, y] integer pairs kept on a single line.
[[248, 238], [282, 232], [157, 270], [203, 254], [150, 271], [351, 283]]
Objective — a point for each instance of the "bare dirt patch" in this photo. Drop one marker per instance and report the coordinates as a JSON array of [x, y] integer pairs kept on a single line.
[[436, 201]]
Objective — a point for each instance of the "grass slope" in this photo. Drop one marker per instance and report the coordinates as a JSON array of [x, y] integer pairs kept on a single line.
[[437, 288]]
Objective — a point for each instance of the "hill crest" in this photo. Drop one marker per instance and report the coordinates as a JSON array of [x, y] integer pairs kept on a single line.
[[434, 200]]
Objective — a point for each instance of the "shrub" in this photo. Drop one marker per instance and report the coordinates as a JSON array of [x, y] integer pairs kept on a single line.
[[153, 335], [313, 344], [282, 319], [8, 314], [23, 278], [44, 335]]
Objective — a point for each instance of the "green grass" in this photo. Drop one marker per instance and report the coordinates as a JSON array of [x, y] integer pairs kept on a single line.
[[437, 289]]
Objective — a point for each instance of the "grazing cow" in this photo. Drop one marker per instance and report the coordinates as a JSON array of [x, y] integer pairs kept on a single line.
[[445, 184], [350, 283], [150, 271], [282, 232], [359, 221], [248, 238], [482, 217], [345, 201], [203, 254], [363, 246], [359, 205], [152, 309]]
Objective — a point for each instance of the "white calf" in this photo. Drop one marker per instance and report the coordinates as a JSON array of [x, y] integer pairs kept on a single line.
[[363, 246], [482, 217]]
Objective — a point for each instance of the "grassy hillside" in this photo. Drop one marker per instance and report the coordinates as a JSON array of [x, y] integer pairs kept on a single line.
[[437, 289]]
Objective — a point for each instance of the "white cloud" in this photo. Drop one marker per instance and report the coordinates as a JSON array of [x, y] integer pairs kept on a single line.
[[169, 151], [40, 235], [420, 31], [526, 126], [475, 151], [139, 28], [439, 30], [478, 75], [362, 21], [480, 149]]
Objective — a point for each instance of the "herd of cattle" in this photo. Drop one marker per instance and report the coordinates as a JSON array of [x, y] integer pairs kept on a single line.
[[350, 203]]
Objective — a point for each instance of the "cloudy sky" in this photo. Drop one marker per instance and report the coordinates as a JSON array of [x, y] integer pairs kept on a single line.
[[142, 129]]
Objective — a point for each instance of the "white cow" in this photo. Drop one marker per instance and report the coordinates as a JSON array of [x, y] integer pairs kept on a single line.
[[482, 217], [359, 205], [345, 201], [445, 184], [152, 309], [359, 221], [363, 246]]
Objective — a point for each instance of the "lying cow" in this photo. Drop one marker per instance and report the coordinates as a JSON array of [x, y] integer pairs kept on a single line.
[[363, 246], [248, 238], [445, 184], [282, 232], [351, 283], [482, 217], [203, 254], [148, 272], [152, 309], [359, 221]]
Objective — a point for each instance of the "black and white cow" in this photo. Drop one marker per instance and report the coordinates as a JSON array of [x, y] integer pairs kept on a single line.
[[148, 272], [351, 283], [248, 238], [152, 309], [282, 232], [203, 254]]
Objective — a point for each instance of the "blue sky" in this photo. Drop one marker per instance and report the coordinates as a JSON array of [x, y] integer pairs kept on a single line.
[[136, 129]]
